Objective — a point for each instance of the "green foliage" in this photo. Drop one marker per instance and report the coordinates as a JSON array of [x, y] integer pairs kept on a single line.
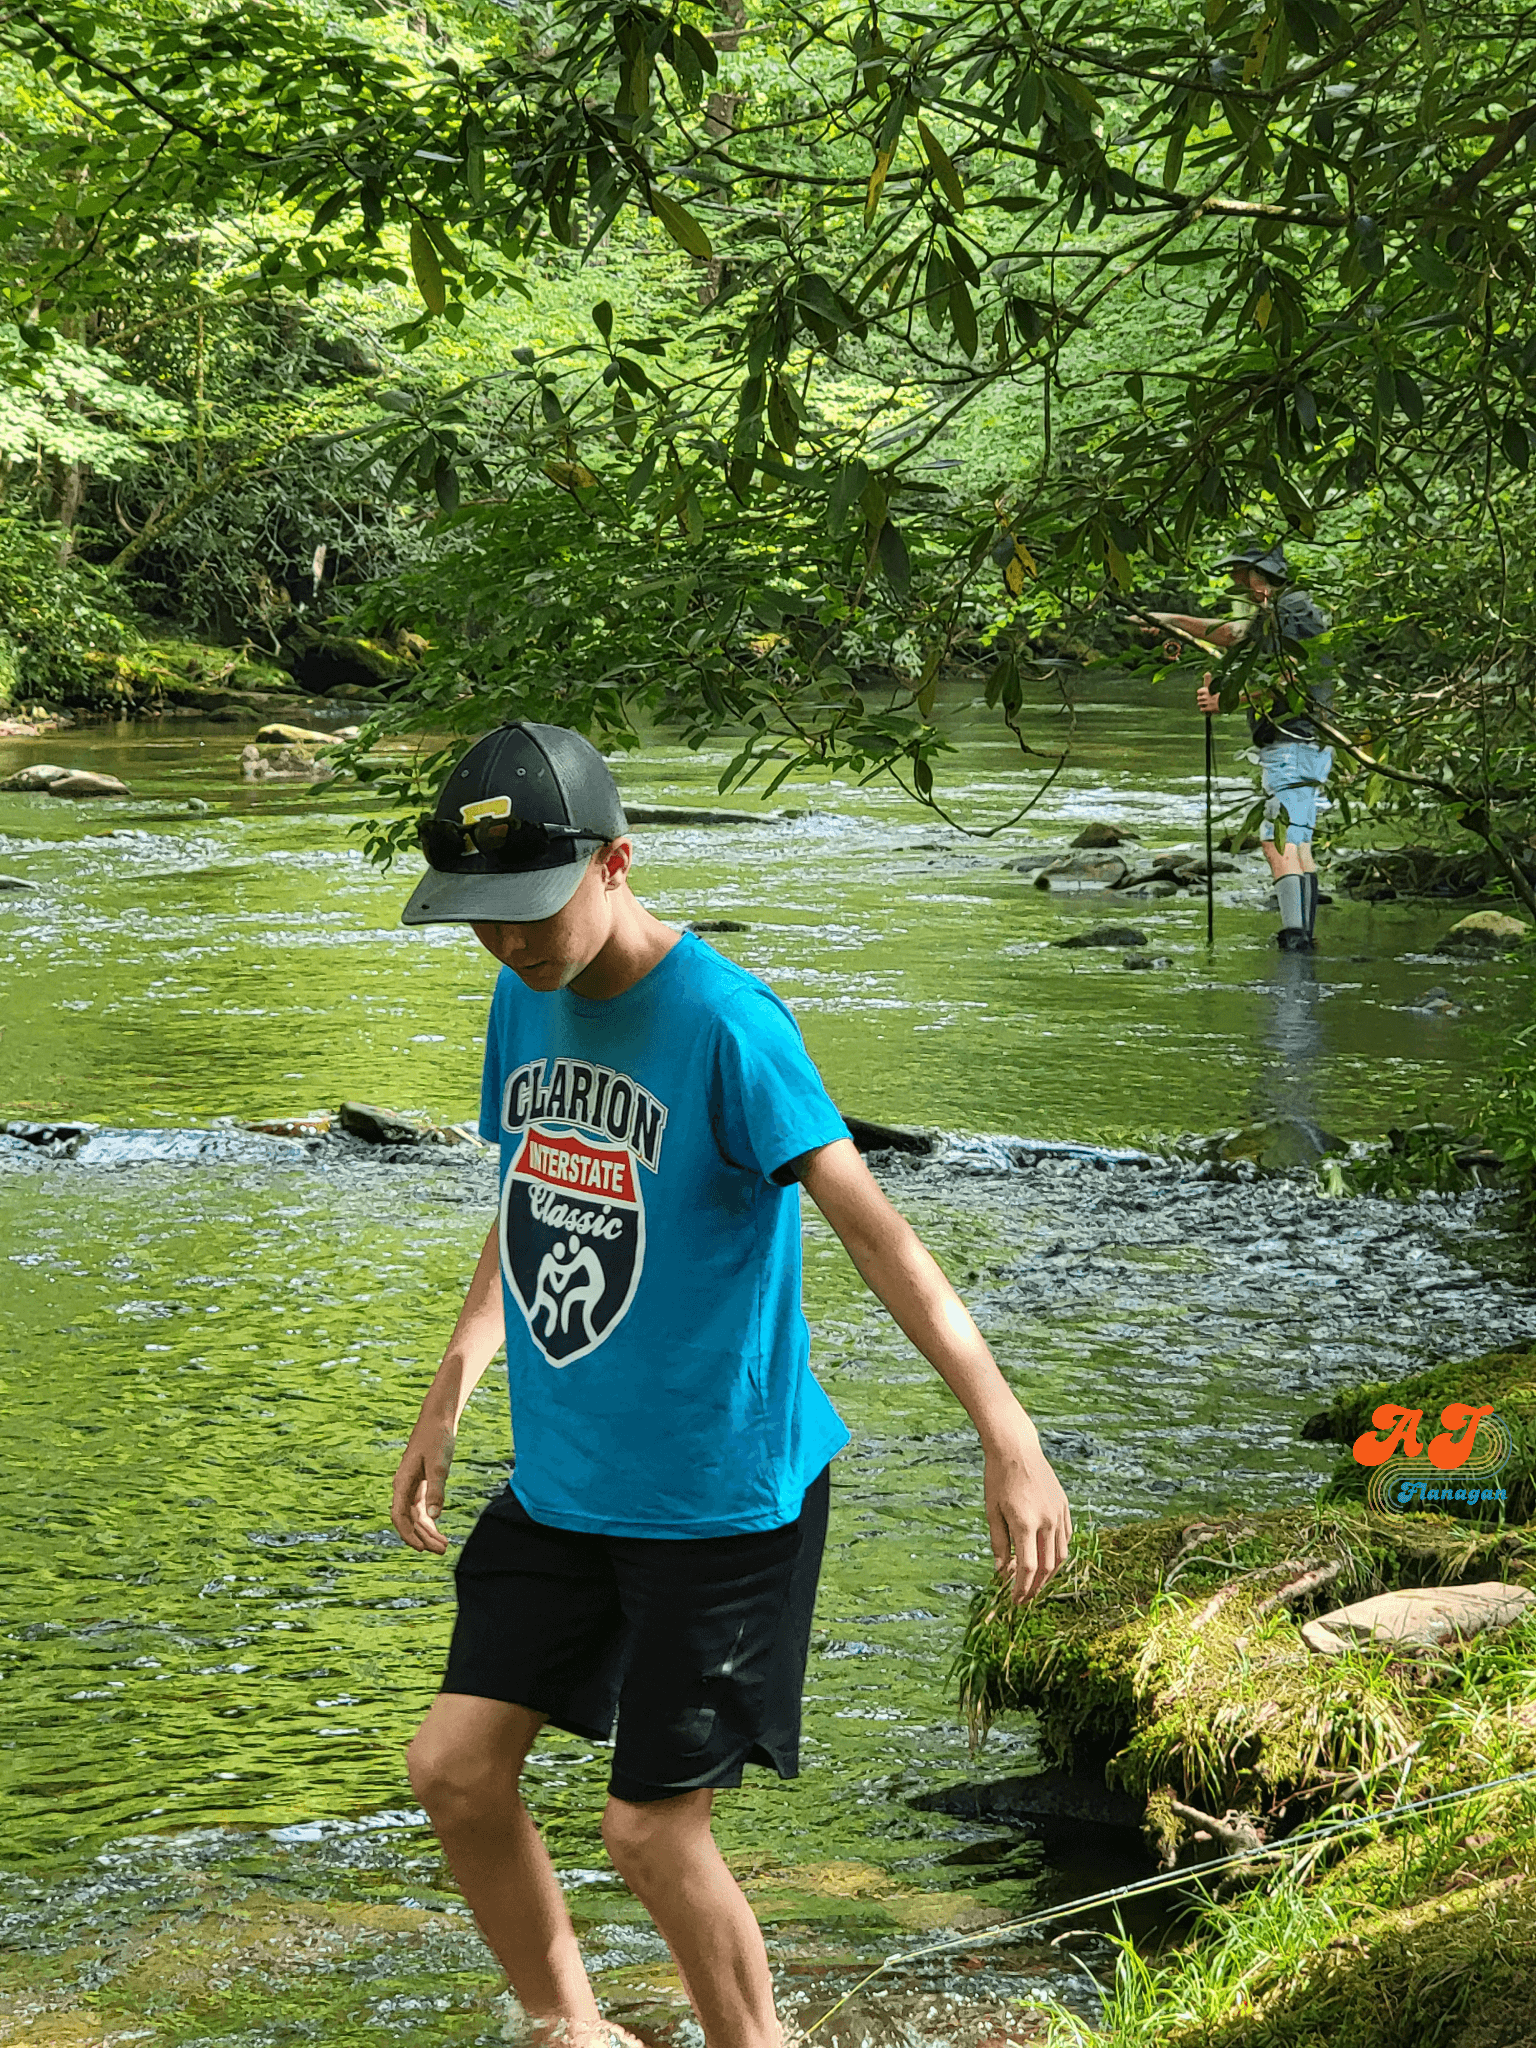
[[1418, 1159], [65, 630], [65, 403], [1131, 275]]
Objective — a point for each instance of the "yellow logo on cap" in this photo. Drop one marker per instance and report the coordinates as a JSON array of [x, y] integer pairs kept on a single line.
[[488, 807]]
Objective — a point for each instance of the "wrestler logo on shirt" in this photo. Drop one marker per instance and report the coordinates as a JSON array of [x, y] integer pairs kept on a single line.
[[572, 1239]]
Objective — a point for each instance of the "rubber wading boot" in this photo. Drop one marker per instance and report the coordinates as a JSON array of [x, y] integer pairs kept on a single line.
[[1313, 898], [1290, 940], [1291, 896]]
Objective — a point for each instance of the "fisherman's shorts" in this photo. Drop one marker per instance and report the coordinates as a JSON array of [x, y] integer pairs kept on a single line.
[[1294, 773]]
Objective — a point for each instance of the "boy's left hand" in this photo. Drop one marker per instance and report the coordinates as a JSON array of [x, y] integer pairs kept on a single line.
[[1028, 1518]]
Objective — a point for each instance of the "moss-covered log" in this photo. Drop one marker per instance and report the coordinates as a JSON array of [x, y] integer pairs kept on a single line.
[[1168, 1654], [1423, 1932]]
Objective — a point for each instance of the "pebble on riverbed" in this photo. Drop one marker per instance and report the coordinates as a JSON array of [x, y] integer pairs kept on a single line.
[[287, 764], [1109, 936]]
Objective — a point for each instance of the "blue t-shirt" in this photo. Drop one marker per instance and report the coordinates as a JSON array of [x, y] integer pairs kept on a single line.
[[657, 1352]]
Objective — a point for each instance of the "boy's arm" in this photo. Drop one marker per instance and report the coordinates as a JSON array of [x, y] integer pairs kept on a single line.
[[422, 1477], [1027, 1514]]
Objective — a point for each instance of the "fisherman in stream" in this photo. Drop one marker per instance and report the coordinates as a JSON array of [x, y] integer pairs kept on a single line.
[[655, 1555], [1293, 764]]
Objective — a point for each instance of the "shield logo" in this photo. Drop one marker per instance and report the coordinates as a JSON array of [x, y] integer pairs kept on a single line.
[[572, 1239]]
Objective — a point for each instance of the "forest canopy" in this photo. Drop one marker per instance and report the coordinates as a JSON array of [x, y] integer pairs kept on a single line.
[[750, 369]]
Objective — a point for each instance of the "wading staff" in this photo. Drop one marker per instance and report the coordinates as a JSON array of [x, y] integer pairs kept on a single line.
[[1173, 635], [1210, 871]]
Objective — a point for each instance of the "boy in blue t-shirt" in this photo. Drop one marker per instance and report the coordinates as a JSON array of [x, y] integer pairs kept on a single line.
[[656, 1553]]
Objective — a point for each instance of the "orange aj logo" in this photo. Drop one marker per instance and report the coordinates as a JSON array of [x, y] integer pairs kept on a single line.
[[1472, 1443], [1396, 1429]]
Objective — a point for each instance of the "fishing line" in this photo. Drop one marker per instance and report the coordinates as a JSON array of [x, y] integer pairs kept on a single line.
[[1141, 1886]]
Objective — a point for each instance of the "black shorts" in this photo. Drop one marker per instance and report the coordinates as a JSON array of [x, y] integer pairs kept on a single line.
[[699, 1644]]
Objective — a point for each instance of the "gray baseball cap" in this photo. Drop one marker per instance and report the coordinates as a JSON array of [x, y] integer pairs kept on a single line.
[[1268, 557], [544, 795]]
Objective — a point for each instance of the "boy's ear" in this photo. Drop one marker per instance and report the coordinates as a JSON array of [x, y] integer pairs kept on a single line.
[[615, 859]]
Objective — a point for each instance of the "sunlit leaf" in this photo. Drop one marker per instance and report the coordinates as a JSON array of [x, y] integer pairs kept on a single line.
[[876, 184], [941, 164], [426, 270], [682, 227]]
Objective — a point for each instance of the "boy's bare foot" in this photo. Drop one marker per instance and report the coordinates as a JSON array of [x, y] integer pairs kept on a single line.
[[565, 2033]]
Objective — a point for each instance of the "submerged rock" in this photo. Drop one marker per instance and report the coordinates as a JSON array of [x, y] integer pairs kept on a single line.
[[1071, 871], [80, 782], [1100, 834], [717, 924], [14, 882], [683, 814], [1435, 1002], [293, 736], [1109, 936], [1280, 1142], [381, 1126], [1147, 960], [39, 776], [889, 1137], [1042, 1795], [1155, 886], [1485, 931]]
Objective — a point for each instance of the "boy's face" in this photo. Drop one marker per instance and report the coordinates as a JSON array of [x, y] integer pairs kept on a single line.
[[550, 954]]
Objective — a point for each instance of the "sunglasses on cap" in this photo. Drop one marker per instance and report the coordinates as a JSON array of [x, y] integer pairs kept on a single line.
[[507, 844]]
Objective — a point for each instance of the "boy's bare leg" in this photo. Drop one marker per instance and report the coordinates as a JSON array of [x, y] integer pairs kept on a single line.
[[665, 1853], [465, 1761]]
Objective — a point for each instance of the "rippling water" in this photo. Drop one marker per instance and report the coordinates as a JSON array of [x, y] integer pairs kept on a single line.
[[214, 1647]]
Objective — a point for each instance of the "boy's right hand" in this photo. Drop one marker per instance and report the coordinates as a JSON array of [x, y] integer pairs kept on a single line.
[[420, 1484]]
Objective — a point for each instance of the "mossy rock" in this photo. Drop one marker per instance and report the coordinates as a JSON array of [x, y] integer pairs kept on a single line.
[[1505, 1378], [1162, 1654], [343, 664]]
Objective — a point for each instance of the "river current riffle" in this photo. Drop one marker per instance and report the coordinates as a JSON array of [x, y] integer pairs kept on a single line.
[[214, 1646]]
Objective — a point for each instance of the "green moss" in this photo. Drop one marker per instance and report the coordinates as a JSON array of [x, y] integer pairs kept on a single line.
[[1505, 1378]]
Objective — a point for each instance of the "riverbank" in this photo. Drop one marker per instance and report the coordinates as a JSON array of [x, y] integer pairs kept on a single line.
[[1256, 1683]]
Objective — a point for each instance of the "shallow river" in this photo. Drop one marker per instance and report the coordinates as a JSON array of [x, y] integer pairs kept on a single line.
[[214, 1644]]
